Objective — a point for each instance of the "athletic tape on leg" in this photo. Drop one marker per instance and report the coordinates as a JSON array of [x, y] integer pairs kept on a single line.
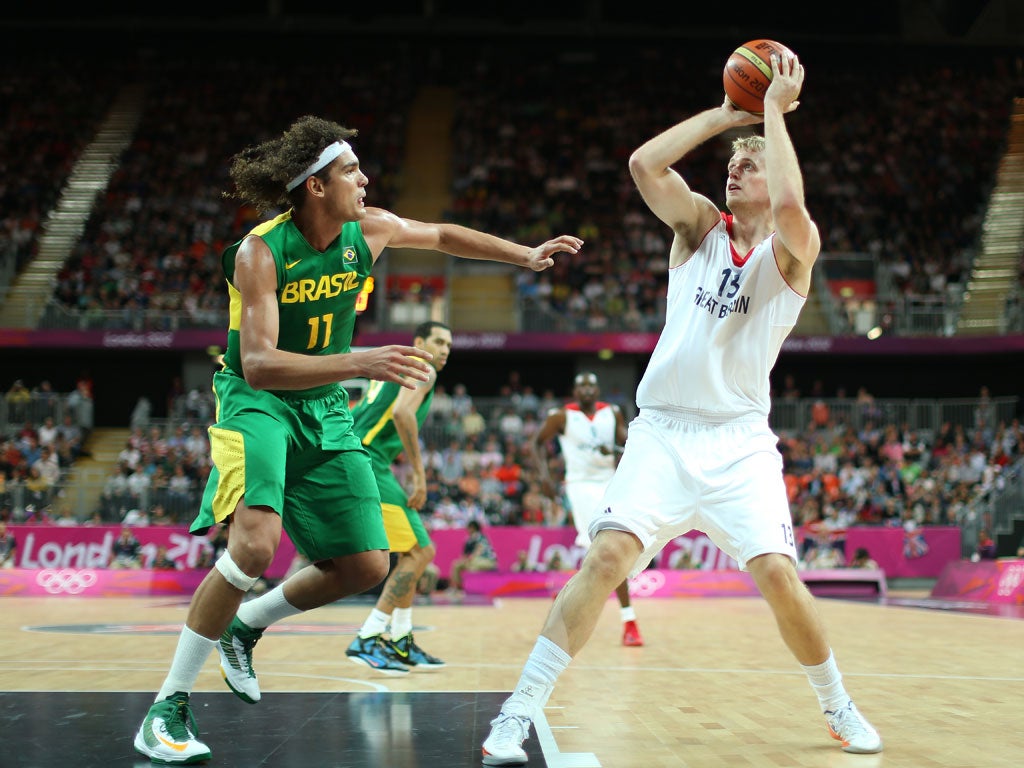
[[235, 576]]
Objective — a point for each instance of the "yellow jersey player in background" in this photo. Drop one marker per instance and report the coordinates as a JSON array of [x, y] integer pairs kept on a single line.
[[388, 420]]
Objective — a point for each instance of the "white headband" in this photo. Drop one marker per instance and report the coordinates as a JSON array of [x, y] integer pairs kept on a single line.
[[331, 152]]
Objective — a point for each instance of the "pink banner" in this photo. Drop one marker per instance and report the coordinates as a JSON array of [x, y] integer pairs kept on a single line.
[[96, 582], [541, 544], [989, 581], [56, 547], [694, 583], [649, 583], [919, 554]]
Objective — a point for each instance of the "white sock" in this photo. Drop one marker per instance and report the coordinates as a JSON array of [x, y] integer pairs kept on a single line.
[[627, 613], [828, 684], [401, 622], [375, 624], [191, 654], [264, 610], [546, 662]]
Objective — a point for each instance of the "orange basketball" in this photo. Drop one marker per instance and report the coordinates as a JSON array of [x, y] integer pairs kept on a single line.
[[748, 73]]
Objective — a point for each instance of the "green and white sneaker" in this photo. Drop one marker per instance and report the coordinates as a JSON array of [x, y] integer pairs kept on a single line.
[[235, 649], [168, 734]]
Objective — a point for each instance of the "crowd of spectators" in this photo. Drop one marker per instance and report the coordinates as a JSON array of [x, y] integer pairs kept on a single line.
[[150, 254], [840, 475], [899, 157], [845, 467], [40, 140], [160, 475], [43, 434], [840, 470], [850, 466]]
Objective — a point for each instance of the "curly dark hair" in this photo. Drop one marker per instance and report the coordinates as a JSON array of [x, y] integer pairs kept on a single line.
[[262, 171]]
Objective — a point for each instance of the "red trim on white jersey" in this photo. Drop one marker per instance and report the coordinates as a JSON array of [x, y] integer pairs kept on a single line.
[[738, 260], [599, 405]]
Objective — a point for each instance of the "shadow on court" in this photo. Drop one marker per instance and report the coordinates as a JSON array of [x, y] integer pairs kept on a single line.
[[285, 730]]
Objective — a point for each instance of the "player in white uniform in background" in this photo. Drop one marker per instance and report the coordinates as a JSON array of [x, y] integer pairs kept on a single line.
[[701, 454], [590, 434]]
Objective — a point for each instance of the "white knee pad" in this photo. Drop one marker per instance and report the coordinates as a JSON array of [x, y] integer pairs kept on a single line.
[[235, 576]]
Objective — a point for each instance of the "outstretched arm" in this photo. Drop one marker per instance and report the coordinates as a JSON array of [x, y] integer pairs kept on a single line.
[[383, 229]]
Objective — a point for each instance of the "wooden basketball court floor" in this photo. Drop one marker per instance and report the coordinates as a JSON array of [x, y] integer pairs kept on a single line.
[[713, 686]]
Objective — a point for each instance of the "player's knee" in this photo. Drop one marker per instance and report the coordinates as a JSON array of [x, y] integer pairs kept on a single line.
[[235, 575], [255, 533], [611, 556], [775, 575], [253, 556], [374, 570]]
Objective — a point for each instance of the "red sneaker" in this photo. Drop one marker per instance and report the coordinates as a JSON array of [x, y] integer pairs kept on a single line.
[[631, 635]]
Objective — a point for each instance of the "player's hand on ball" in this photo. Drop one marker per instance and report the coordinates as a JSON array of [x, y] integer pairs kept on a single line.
[[787, 80], [740, 116], [748, 76]]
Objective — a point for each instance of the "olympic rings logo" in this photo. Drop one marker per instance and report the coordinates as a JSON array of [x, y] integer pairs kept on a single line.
[[67, 581], [646, 583], [1011, 578]]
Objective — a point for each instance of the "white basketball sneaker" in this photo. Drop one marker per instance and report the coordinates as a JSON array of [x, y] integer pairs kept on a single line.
[[505, 744], [849, 726]]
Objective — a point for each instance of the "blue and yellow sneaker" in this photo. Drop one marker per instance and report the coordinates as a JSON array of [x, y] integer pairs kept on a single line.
[[408, 652], [375, 653]]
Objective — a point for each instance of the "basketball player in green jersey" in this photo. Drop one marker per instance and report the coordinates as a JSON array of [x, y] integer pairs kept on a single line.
[[388, 419], [285, 454]]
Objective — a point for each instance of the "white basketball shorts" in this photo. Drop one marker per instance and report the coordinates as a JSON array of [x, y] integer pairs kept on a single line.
[[585, 502], [677, 475]]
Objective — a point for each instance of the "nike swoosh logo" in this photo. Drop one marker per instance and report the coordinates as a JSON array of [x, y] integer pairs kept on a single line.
[[289, 266], [401, 653], [172, 744]]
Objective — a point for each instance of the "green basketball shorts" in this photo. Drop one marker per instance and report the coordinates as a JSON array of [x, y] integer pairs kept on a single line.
[[296, 454]]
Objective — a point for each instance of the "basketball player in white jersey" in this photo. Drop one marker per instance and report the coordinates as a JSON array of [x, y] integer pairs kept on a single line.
[[590, 434], [700, 453]]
